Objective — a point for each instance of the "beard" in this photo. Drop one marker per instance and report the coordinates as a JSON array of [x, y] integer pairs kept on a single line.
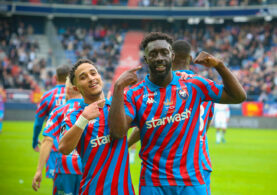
[[160, 74]]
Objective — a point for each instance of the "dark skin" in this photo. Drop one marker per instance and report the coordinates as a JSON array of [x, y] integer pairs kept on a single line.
[[159, 56]]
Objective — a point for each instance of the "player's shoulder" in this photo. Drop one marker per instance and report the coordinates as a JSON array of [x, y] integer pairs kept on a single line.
[[134, 88]]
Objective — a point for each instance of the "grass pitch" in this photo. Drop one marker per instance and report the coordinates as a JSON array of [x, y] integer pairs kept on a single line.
[[246, 164]]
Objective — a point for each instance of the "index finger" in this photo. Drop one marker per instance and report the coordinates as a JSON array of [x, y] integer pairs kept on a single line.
[[135, 69]]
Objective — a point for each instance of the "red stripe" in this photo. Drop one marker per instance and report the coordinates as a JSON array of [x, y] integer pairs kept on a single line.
[[102, 176], [205, 153], [212, 84], [126, 178], [45, 103], [49, 105], [144, 154], [64, 164], [55, 186], [75, 164], [157, 157], [196, 157], [202, 86], [92, 154]]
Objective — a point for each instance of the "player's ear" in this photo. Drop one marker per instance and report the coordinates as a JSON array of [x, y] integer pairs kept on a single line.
[[190, 59], [172, 55], [145, 59], [75, 88]]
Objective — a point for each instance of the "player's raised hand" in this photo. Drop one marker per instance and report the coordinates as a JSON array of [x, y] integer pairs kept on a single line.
[[127, 78], [92, 111], [207, 60], [36, 181]]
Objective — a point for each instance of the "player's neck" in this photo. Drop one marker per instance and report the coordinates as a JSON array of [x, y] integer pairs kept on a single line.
[[92, 99], [161, 81]]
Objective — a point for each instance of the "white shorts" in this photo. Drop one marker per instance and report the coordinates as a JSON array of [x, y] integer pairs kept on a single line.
[[221, 124]]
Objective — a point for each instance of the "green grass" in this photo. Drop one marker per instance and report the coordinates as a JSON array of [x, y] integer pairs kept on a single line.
[[246, 164]]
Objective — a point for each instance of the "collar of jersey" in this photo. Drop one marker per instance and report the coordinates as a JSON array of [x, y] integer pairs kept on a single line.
[[107, 102], [153, 87], [74, 100], [61, 85], [186, 71]]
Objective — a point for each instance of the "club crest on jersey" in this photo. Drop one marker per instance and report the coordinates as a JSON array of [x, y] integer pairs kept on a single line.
[[183, 93]]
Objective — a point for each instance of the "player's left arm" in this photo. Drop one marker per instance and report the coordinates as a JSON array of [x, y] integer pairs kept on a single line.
[[134, 137], [233, 92]]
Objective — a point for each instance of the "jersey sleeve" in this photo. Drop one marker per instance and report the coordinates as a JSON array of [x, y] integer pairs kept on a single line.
[[209, 89], [53, 124], [129, 104], [211, 114], [41, 114]]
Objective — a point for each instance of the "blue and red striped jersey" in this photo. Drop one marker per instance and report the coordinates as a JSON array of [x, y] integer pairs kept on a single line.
[[206, 114], [66, 164], [169, 122], [49, 101], [105, 161]]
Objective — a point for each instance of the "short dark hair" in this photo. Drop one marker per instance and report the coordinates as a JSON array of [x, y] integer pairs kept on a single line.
[[62, 72], [153, 36], [75, 66], [181, 46]]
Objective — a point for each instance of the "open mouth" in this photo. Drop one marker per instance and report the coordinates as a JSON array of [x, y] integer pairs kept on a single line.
[[93, 85], [160, 68]]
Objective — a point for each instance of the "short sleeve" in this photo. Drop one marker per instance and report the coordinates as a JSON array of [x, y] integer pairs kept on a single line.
[[52, 125], [208, 88], [129, 104]]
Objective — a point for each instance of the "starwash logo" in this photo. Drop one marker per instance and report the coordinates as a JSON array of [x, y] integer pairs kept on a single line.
[[169, 119], [149, 95], [98, 141], [150, 101]]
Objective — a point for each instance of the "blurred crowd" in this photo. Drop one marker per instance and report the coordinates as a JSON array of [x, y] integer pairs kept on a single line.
[[203, 3], [100, 43], [160, 3], [250, 51]]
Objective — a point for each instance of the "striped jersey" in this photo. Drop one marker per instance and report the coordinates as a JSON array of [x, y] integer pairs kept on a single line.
[[49, 101], [206, 114], [66, 164], [105, 161], [169, 121]]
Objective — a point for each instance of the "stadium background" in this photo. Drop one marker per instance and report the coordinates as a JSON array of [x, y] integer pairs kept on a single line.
[[38, 35]]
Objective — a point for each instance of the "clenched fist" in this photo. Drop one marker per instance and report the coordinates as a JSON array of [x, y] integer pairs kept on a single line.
[[207, 60], [129, 77], [92, 111]]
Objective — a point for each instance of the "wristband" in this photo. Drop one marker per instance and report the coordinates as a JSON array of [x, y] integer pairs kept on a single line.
[[81, 122]]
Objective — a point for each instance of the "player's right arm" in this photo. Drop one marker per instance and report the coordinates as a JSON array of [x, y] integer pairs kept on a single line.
[[45, 149], [71, 137], [134, 137], [118, 121]]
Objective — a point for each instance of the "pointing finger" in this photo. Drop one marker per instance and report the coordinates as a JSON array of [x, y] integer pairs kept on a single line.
[[135, 69]]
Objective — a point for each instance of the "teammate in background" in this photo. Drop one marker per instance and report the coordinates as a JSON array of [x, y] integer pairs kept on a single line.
[[164, 107], [67, 167], [49, 101], [221, 118], [105, 161], [2, 97]]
